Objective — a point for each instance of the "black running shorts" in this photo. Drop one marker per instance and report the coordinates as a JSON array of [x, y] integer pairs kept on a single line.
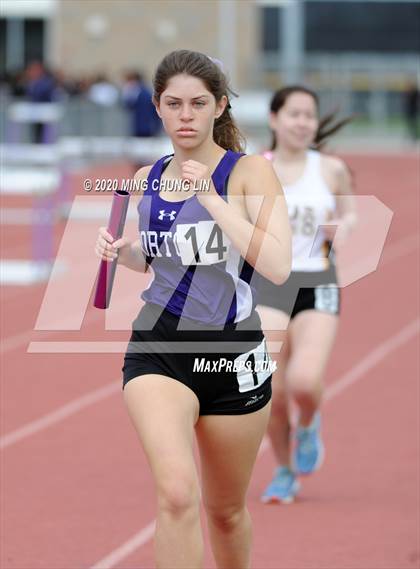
[[304, 290], [228, 369]]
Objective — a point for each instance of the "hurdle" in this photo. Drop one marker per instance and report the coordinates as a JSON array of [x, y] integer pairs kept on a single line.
[[23, 114], [40, 184], [30, 172]]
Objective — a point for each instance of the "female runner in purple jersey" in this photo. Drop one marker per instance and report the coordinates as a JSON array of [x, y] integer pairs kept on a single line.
[[202, 247], [310, 299]]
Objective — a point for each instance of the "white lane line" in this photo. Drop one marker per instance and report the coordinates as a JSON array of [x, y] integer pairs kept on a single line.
[[373, 358], [127, 548], [22, 339], [347, 380], [59, 414], [402, 247], [354, 374], [358, 371]]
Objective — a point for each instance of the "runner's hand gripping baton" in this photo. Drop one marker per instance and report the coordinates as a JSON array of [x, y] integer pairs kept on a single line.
[[106, 273]]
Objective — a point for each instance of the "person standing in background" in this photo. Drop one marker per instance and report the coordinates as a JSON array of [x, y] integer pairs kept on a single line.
[[137, 98], [411, 109], [41, 87]]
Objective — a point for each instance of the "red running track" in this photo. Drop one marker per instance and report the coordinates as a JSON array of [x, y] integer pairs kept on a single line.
[[75, 484]]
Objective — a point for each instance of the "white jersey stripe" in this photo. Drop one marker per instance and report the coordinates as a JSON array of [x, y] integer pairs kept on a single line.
[[243, 290]]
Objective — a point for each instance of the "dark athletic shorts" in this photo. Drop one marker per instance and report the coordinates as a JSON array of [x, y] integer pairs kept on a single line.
[[229, 369], [304, 290]]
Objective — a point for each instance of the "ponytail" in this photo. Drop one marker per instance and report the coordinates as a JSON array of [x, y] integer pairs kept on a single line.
[[328, 126], [226, 134]]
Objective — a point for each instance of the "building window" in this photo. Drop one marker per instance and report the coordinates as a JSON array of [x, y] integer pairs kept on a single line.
[[2, 45], [21, 40], [270, 29], [34, 32], [362, 26]]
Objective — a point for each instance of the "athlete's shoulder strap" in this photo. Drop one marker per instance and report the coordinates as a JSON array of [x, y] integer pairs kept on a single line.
[[156, 171], [314, 158], [268, 154], [222, 172]]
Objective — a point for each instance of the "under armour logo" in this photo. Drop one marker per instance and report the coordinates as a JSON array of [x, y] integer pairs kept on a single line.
[[162, 214]]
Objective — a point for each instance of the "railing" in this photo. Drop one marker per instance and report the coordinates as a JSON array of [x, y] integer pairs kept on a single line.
[[83, 119]]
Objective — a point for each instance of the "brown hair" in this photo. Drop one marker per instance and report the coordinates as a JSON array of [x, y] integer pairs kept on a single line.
[[225, 132], [327, 124]]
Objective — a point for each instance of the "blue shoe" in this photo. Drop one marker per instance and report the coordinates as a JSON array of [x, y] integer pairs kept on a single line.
[[283, 488], [309, 451]]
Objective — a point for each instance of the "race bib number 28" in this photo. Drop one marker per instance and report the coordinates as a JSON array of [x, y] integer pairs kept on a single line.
[[202, 243]]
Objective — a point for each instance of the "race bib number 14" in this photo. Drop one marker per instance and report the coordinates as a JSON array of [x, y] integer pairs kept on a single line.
[[202, 243]]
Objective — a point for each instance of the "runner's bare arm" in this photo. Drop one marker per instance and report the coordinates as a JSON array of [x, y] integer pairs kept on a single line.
[[261, 230]]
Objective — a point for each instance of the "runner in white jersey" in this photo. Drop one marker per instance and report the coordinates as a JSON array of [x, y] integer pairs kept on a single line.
[[308, 304]]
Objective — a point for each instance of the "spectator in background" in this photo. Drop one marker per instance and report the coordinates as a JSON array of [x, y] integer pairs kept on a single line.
[[103, 92], [131, 87], [137, 98], [41, 87], [68, 86], [411, 109]]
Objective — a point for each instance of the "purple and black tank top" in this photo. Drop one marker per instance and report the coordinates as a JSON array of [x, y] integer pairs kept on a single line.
[[198, 273]]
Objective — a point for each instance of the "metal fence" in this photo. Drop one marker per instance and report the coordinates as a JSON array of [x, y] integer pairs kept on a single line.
[[377, 109]]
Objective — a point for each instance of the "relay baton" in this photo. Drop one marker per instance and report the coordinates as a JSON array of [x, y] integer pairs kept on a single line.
[[106, 273]]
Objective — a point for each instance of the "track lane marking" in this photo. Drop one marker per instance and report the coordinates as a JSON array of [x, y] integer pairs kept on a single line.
[[353, 375]]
